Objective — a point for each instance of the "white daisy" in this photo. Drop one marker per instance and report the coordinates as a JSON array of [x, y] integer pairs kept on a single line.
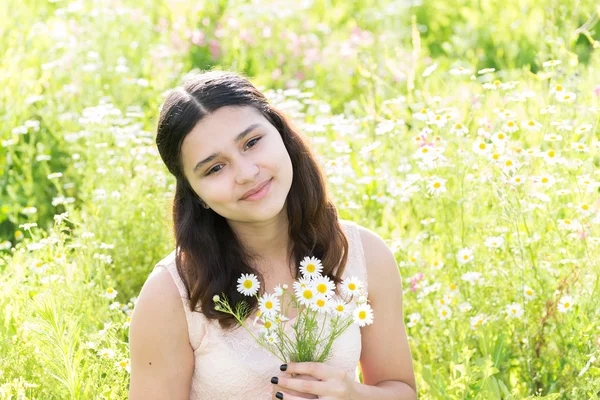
[[278, 290], [510, 126], [528, 292], [436, 185], [494, 241], [311, 267], [363, 315], [352, 286], [565, 304], [324, 286], [269, 305], [566, 97], [413, 319], [272, 338], [481, 147], [39, 266], [532, 125], [248, 284], [108, 353], [267, 326], [305, 295], [465, 307], [444, 312], [464, 255], [478, 320], [301, 284], [321, 304], [110, 293], [339, 308], [514, 310]]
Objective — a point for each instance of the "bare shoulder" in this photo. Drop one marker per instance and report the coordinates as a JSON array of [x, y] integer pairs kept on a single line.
[[162, 359], [381, 263]]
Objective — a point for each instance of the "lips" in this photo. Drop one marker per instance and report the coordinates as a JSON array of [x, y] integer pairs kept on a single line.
[[256, 189]]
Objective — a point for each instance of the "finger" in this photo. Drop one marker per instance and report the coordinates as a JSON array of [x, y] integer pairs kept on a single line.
[[318, 370], [303, 386], [283, 394]]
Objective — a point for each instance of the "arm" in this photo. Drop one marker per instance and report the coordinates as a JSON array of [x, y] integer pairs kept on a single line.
[[162, 359], [385, 361]]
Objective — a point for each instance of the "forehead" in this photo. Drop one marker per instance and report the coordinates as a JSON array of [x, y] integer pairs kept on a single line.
[[216, 131]]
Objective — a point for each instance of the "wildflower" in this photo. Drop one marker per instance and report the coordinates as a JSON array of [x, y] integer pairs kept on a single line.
[[566, 97], [429, 70], [124, 365], [532, 125], [580, 147], [565, 304], [436, 185], [55, 175], [459, 129], [550, 156], [510, 126], [514, 310], [320, 303], [477, 321], [464, 256], [324, 286], [465, 307], [110, 293], [481, 147], [472, 277], [499, 138], [486, 71], [363, 315], [107, 353], [423, 115], [528, 293], [39, 266], [311, 267], [460, 71], [413, 319], [494, 241], [269, 305], [551, 63], [305, 295], [248, 284], [278, 290], [272, 338], [444, 312], [339, 308], [352, 286]]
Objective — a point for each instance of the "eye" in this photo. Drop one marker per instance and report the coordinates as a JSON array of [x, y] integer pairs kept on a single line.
[[255, 140], [213, 170]]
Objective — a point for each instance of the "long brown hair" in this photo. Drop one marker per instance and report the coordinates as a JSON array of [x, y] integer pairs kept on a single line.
[[209, 256]]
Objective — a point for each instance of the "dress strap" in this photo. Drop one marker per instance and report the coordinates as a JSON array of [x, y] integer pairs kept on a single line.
[[196, 322], [356, 254]]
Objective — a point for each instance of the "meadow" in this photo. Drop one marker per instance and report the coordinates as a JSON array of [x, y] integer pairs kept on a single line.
[[465, 133]]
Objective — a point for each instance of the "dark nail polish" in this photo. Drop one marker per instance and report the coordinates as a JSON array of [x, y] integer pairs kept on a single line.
[[275, 380], [283, 367], [279, 395]]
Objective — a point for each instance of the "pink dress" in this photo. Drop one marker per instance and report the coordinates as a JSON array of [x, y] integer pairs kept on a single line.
[[231, 365]]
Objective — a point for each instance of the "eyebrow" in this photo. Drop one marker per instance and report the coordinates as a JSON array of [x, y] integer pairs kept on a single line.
[[239, 137]]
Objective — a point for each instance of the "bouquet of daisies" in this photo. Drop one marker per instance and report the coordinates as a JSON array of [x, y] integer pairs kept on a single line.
[[317, 308]]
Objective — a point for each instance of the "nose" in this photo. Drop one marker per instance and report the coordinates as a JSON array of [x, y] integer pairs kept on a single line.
[[246, 171]]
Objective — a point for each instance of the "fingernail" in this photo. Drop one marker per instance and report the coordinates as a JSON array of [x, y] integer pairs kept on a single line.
[[279, 395], [283, 367], [275, 380]]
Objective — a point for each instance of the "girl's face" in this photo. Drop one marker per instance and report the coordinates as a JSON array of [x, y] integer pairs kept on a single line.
[[234, 150]]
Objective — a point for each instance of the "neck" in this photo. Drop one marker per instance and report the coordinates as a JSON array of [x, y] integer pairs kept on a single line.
[[267, 241]]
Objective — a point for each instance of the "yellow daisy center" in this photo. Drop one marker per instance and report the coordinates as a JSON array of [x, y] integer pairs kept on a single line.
[[340, 308], [351, 286], [482, 146], [444, 313], [567, 305], [269, 304], [362, 314], [247, 283], [465, 257], [307, 294], [436, 185], [584, 207], [310, 268], [322, 288], [123, 363], [529, 292], [321, 302], [551, 153], [531, 123], [268, 324]]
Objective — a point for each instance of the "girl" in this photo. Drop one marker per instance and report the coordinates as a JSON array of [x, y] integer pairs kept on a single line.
[[250, 198]]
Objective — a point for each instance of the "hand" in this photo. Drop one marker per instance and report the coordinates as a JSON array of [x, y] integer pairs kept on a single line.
[[330, 383], [300, 395]]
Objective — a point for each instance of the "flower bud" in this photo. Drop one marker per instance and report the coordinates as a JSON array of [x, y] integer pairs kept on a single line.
[[216, 298]]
